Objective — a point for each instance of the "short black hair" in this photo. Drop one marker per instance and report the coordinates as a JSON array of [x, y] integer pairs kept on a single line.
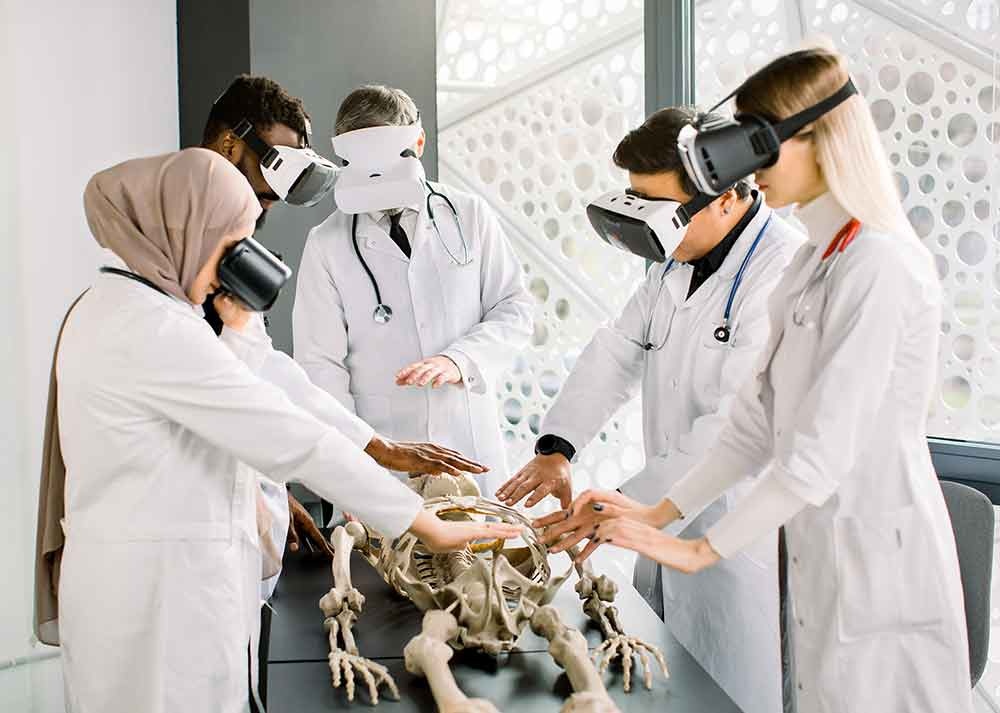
[[652, 148], [259, 100]]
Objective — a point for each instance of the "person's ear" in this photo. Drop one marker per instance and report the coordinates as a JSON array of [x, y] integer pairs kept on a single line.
[[727, 201], [418, 148], [231, 147]]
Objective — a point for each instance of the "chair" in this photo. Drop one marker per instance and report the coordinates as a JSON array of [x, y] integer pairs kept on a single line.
[[972, 520]]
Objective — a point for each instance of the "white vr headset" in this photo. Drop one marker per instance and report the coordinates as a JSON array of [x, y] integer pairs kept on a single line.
[[380, 170], [648, 227], [298, 176]]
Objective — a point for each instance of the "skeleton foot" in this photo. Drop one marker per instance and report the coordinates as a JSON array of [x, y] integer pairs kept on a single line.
[[625, 647], [598, 595], [345, 666], [428, 654]]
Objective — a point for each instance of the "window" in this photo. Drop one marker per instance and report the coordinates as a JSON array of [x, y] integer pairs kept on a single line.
[[533, 98]]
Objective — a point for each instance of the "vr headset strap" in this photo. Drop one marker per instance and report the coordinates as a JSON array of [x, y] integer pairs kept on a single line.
[[244, 130], [689, 209], [792, 125]]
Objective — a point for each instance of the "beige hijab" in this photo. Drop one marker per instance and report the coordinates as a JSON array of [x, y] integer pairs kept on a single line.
[[164, 217]]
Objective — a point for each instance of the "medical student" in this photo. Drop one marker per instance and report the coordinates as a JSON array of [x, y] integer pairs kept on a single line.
[[836, 415], [408, 312], [158, 598], [253, 115], [666, 343]]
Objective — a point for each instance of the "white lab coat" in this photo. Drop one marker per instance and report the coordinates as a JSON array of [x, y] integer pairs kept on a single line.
[[727, 617], [253, 347], [478, 314], [159, 592], [837, 413]]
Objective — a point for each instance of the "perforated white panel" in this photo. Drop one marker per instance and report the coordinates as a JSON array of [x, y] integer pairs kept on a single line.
[[484, 45], [538, 150], [935, 97]]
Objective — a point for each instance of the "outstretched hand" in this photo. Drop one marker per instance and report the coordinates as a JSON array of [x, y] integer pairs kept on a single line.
[[609, 517], [435, 371], [420, 458], [542, 475], [448, 535]]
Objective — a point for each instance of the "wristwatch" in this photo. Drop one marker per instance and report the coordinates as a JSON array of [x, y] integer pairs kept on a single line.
[[549, 444]]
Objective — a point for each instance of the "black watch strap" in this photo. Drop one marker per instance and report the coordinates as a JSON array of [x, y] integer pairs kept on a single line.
[[550, 443]]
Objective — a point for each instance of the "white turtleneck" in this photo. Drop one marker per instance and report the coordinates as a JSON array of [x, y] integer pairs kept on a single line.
[[822, 218]]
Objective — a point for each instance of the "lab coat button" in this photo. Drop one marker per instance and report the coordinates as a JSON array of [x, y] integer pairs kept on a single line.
[[802, 623], [674, 384]]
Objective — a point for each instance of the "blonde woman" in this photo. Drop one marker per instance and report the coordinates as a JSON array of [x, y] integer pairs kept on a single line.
[[836, 416]]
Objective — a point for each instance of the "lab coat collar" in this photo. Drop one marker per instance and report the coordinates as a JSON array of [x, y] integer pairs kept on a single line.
[[373, 236], [381, 217], [822, 218]]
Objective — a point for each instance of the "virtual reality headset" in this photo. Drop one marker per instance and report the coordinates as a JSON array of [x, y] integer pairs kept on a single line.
[[252, 274], [380, 170], [648, 227], [298, 176], [717, 154]]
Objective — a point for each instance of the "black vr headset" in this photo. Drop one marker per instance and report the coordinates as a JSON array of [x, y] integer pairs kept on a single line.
[[252, 274], [717, 154]]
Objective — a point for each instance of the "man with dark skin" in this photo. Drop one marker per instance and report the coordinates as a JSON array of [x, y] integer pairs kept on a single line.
[[281, 120]]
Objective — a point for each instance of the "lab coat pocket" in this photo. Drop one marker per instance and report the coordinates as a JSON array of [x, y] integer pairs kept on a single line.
[[884, 582]]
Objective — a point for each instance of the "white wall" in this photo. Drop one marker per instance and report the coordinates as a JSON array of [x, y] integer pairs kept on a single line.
[[86, 86]]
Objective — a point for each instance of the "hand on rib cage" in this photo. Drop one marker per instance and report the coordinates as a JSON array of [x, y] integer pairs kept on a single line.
[[481, 598]]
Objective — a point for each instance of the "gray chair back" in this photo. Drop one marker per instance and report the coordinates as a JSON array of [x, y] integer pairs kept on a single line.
[[972, 519]]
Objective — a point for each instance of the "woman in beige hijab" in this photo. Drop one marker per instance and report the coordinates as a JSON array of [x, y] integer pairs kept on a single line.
[[158, 594]]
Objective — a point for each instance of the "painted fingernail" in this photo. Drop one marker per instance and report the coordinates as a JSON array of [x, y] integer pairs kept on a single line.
[[598, 507]]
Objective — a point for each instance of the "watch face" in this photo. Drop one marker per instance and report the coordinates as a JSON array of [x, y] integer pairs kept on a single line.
[[545, 445]]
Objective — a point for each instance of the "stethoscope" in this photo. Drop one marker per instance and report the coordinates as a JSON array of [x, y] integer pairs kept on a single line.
[[383, 312], [723, 333], [844, 237]]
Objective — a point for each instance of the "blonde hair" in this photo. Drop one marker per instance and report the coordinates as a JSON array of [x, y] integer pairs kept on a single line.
[[848, 148]]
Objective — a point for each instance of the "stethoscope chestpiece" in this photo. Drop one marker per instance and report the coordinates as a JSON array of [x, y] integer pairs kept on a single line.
[[382, 314], [722, 334]]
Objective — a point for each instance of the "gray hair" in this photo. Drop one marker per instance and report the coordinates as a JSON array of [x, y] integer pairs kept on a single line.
[[375, 105]]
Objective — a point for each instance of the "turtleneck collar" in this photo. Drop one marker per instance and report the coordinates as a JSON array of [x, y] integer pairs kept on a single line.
[[822, 218]]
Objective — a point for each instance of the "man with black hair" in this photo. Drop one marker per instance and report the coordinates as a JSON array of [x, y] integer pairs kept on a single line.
[[668, 343], [278, 118]]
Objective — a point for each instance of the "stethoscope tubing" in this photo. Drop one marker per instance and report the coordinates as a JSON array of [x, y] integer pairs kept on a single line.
[[383, 312], [827, 263], [723, 329]]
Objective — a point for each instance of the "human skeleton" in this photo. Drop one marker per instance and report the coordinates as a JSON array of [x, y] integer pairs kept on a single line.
[[481, 598]]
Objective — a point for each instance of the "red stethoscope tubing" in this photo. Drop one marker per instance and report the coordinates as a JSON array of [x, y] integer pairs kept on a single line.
[[844, 237]]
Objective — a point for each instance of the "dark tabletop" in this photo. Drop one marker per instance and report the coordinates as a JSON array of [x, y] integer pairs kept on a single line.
[[298, 678]]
